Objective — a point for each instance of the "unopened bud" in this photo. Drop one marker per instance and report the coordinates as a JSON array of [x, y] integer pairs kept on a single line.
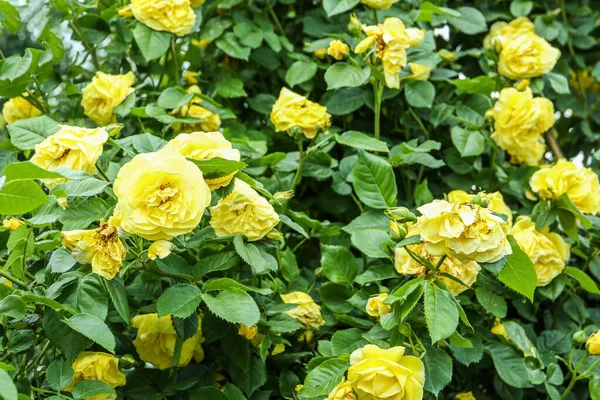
[[274, 235], [354, 25], [397, 231], [284, 195], [127, 361], [113, 129], [401, 214], [579, 337]]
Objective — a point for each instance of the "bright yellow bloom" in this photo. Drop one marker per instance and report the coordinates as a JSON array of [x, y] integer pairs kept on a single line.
[[343, 391], [204, 146], [502, 33], [463, 230], [97, 366], [547, 250], [175, 16], [71, 147], [338, 49], [380, 4], [248, 332], [244, 212], [160, 249], [12, 223], [161, 195], [191, 78], [495, 201], [19, 108], [465, 396], [211, 122], [156, 337], [103, 94], [528, 56], [498, 329], [376, 307], [593, 344], [391, 39], [579, 183], [308, 313], [520, 121], [419, 72], [100, 247], [292, 110], [388, 374], [321, 53]]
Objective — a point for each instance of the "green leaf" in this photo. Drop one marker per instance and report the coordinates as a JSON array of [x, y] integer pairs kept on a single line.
[[258, 260], [428, 9], [93, 328], [10, 17], [341, 75], [59, 374], [147, 143], [468, 143], [226, 283], [208, 392], [586, 282], [482, 84], [297, 227], [372, 242], [91, 297], [233, 305], [517, 335], [9, 390], [26, 133], [345, 101], [594, 387], [218, 167], [359, 140], [174, 98], [441, 313], [334, 7], [559, 82], [68, 341], [180, 300], [21, 171], [82, 217], [338, 264], [419, 93], [118, 296], [232, 47], [471, 21], [231, 88], [15, 66], [89, 388], [20, 197], [12, 306], [520, 8], [322, 379], [346, 341], [82, 188], [491, 302], [518, 273], [374, 181], [300, 72], [438, 370], [509, 364], [152, 44]]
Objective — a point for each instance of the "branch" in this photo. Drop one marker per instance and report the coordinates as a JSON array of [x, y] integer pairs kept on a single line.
[[553, 144]]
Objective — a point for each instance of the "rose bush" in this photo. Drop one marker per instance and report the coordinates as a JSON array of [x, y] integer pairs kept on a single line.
[[284, 199]]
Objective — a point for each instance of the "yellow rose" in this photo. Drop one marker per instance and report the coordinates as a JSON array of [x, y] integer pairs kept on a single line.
[[19, 108], [579, 183], [156, 337], [12, 223], [502, 33], [100, 247], [380, 4], [419, 72], [495, 201], [527, 56], [161, 195], [103, 94], [248, 333], [71, 147], [160, 249], [203, 146], [463, 230], [547, 250], [377, 374], [376, 307], [391, 39], [465, 396], [244, 212], [520, 121], [593, 344], [211, 122], [338, 49], [321, 53], [191, 78], [498, 329], [343, 391], [308, 313], [292, 110], [97, 366], [175, 16]]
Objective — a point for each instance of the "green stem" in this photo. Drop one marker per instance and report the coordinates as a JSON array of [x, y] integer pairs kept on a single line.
[[75, 26], [574, 376], [298, 173], [416, 117], [375, 16], [31, 98], [175, 60], [378, 93], [587, 371], [275, 19], [11, 278], [36, 361]]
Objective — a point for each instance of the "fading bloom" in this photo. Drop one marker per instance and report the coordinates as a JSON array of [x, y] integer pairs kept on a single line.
[[210, 121], [161, 195], [160, 249], [376, 307], [593, 344], [71, 147], [244, 212], [547, 250], [338, 49], [12, 223], [495, 201], [502, 33], [100, 247], [248, 332], [308, 313], [103, 94], [390, 41], [175, 16], [156, 337], [19, 108], [292, 110], [191, 78], [462, 230], [380, 4], [579, 183], [419, 72], [528, 56], [343, 391], [204, 146], [520, 121], [377, 374], [97, 366]]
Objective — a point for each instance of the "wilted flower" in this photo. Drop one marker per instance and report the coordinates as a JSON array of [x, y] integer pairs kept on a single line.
[[338, 49], [308, 313]]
